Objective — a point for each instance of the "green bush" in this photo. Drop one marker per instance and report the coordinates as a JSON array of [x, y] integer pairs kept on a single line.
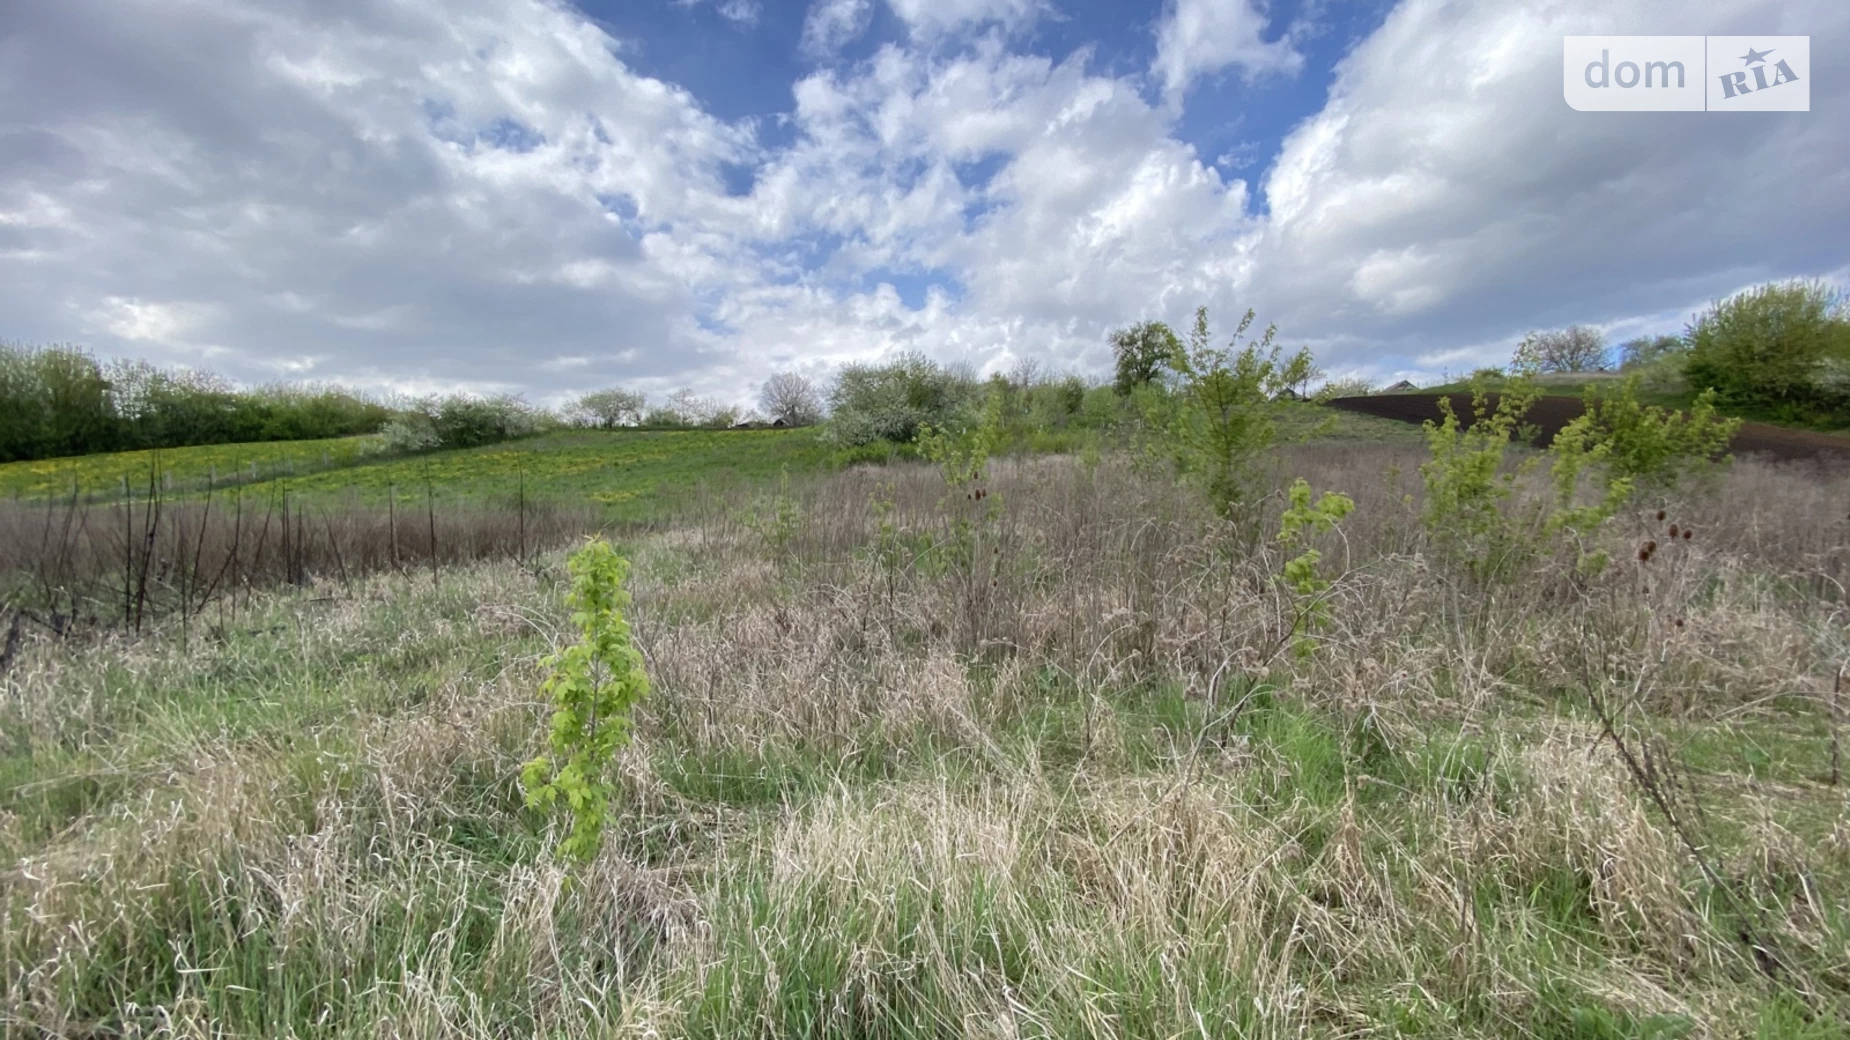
[[54, 401], [464, 421], [1766, 348], [1645, 351], [58, 401], [1632, 449], [1466, 482], [1301, 521], [1221, 416], [892, 401]]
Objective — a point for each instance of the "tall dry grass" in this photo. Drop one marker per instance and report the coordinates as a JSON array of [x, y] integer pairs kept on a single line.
[[79, 564], [1047, 776]]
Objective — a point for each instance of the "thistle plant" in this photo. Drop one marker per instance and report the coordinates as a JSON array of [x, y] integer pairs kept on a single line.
[[594, 685], [1301, 521]]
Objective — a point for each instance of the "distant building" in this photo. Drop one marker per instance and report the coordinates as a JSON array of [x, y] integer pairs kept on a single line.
[[1400, 388]]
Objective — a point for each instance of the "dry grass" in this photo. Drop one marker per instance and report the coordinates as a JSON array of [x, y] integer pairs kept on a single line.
[[1050, 778], [76, 565]]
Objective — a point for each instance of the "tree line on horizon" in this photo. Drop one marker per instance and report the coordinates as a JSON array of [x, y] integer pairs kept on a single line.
[[1780, 350]]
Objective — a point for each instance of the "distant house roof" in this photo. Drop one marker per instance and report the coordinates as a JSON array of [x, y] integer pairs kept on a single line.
[[1402, 385]]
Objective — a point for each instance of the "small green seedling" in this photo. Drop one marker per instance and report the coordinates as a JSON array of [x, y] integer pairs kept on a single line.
[[594, 686]]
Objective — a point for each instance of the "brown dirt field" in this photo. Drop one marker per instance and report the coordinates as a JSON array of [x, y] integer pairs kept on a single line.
[[1552, 413]]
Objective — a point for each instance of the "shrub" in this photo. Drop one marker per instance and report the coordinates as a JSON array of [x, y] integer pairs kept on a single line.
[[776, 518], [1644, 351], [594, 685], [1301, 521], [664, 415], [892, 401], [1633, 448], [408, 434], [1054, 405], [53, 401], [60, 401], [1221, 417], [1765, 348], [464, 421], [1465, 480]]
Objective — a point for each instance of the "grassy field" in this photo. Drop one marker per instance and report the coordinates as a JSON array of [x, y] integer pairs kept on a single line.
[[622, 470], [182, 468], [1062, 780]]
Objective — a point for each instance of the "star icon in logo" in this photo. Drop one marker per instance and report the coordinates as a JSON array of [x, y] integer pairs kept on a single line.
[[1754, 57]]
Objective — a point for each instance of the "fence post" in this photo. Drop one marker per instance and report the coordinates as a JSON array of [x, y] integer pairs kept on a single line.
[[430, 510], [391, 519]]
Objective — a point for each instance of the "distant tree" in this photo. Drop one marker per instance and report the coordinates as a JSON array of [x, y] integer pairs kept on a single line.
[[693, 409], [608, 409], [1142, 351], [1577, 348], [54, 401], [792, 398], [1027, 372], [1637, 353]]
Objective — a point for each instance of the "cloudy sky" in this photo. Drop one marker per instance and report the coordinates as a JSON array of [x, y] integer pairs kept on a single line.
[[545, 196]]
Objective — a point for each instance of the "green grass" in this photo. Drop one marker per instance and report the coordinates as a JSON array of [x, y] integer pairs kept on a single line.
[[628, 471], [184, 468], [307, 824], [624, 470]]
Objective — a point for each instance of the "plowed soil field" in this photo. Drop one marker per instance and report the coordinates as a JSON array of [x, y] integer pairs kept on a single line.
[[1552, 413]]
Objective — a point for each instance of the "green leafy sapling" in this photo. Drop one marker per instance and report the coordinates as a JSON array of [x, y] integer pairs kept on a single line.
[[594, 685], [962, 456], [1631, 449], [1301, 521], [1464, 475], [776, 518], [1222, 415]]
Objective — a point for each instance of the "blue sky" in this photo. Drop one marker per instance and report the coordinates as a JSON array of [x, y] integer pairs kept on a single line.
[[545, 196]]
